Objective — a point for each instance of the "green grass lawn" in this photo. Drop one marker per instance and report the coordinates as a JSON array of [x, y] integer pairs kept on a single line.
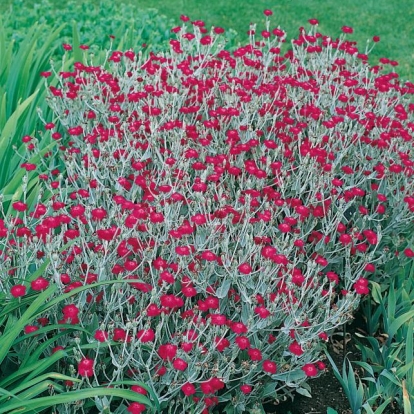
[[392, 20]]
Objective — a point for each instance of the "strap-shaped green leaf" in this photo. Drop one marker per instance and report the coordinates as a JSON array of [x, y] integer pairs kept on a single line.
[[68, 397]]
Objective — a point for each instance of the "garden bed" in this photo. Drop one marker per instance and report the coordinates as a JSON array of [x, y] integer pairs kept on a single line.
[[184, 229]]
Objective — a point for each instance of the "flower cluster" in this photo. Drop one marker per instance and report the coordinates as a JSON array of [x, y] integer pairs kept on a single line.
[[226, 209]]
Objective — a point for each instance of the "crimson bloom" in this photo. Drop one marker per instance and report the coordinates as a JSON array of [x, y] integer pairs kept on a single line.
[[136, 408], [146, 335], [222, 343], [255, 354], [39, 284], [295, 348], [188, 389], [347, 29], [18, 291], [409, 252], [19, 206], [269, 366], [239, 328], [310, 370], [242, 342], [85, 367], [167, 351], [245, 268], [246, 389], [179, 364]]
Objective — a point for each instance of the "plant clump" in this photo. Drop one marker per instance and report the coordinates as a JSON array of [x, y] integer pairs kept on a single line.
[[219, 215]]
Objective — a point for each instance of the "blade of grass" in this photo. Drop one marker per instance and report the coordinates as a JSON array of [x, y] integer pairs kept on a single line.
[[10, 335], [378, 410], [406, 400], [408, 383], [354, 393], [397, 323], [41, 378], [13, 377], [3, 116], [7, 135], [77, 52], [37, 389], [39, 349], [68, 397]]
